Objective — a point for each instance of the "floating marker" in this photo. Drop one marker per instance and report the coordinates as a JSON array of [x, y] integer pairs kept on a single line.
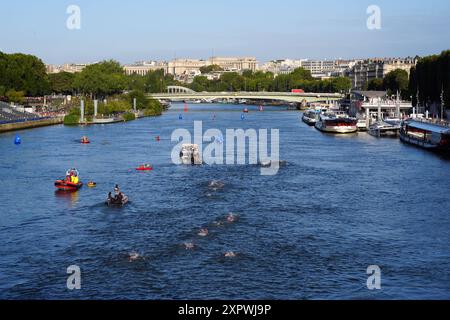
[[17, 140]]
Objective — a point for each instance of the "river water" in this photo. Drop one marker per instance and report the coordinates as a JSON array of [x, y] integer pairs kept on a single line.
[[341, 204]]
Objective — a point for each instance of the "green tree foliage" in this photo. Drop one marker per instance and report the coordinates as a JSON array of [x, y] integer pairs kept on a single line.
[[211, 68], [431, 76], [71, 119], [62, 82], [26, 73], [397, 81], [129, 116], [375, 85], [150, 106], [101, 79], [15, 96], [266, 81]]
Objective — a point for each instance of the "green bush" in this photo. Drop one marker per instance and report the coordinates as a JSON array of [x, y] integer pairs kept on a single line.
[[71, 120], [128, 116]]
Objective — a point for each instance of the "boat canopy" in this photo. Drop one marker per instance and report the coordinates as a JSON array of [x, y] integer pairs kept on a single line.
[[429, 127]]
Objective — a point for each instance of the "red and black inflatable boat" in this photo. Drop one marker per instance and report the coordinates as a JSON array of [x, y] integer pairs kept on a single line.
[[67, 186]]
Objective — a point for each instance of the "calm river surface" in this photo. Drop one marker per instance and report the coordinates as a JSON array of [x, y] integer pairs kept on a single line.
[[341, 204]]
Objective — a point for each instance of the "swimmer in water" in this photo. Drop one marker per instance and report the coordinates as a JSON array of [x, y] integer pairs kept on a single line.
[[231, 218], [189, 245], [216, 185], [133, 256], [203, 232], [230, 254]]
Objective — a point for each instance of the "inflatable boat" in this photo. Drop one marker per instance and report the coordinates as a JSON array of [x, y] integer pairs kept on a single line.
[[112, 202], [67, 186], [145, 167]]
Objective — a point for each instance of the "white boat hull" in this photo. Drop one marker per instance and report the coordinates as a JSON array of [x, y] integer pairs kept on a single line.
[[339, 129], [309, 121]]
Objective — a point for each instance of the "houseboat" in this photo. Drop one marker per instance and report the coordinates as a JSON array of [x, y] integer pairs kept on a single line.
[[331, 123], [384, 129], [426, 134]]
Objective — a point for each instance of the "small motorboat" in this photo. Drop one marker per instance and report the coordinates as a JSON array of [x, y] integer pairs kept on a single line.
[[91, 184], [246, 110], [117, 202], [85, 140], [190, 154], [145, 167], [71, 182], [63, 185]]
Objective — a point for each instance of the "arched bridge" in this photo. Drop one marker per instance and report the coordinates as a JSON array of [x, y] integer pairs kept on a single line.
[[178, 89], [177, 93]]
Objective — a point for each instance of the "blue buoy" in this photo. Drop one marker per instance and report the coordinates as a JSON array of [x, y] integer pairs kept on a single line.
[[17, 140], [180, 117]]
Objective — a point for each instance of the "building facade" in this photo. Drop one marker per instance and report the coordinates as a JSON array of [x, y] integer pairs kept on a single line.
[[235, 64], [68, 67], [144, 67], [367, 70]]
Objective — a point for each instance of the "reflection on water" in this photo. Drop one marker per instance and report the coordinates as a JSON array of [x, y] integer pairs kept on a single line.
[[70, 198]]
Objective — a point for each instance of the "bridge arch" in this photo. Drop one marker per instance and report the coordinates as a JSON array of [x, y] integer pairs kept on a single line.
[[178, 89]]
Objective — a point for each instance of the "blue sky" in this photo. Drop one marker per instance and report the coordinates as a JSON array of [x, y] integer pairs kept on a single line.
[[163, 29]]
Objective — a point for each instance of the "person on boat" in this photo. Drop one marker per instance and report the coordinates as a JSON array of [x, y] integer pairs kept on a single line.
[[116, 190], [75, 179], [119, 197], [110, 197]]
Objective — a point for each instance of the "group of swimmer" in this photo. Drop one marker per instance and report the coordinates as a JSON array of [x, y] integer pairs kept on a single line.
[[134, 256], [204, 232]]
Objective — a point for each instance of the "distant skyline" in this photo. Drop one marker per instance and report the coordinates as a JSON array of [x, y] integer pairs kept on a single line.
[[162, 30]]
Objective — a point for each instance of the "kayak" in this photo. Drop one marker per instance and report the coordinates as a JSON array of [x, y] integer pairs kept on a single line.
[[144, 169], [115, 203], [67, 186]]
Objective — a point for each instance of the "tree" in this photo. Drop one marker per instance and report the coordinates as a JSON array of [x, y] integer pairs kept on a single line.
[[431, 76], [62, 82], [200, 84], [211, 68], [15, 96], [397, 81], [342, 85], [375, 85], [101, 79], [25, 73]]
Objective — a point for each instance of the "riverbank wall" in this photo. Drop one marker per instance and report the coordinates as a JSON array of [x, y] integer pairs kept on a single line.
[[7, 127]]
